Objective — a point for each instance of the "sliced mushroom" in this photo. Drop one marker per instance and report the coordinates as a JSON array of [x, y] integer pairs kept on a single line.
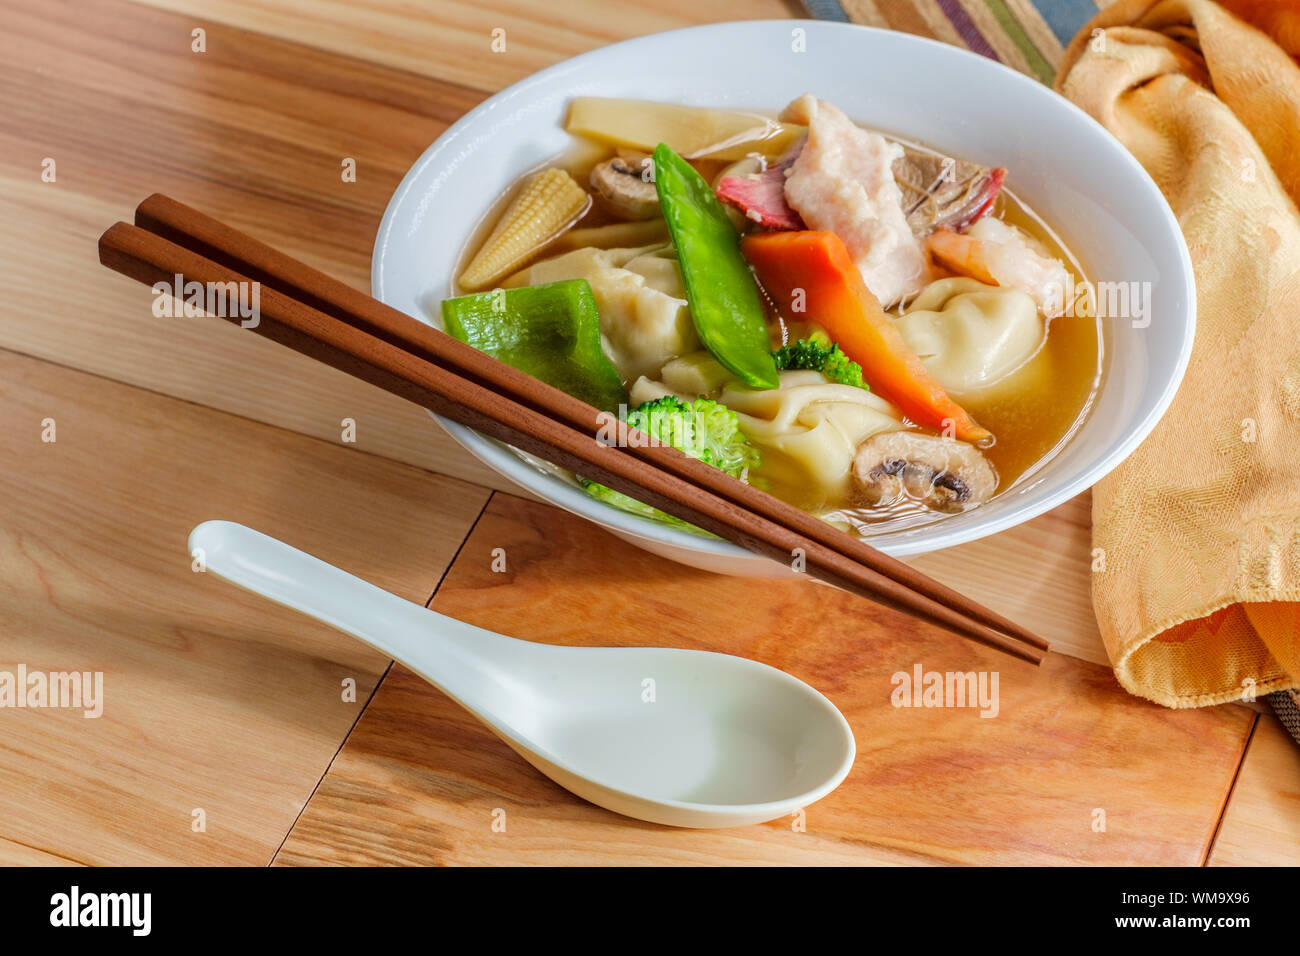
[[625, 189], [942, 473]]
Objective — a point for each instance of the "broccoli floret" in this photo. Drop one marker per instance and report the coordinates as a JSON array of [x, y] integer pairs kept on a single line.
[[819, 354], [702, 428]]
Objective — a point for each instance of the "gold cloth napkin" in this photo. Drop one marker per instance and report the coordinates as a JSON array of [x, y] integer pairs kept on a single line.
[[1199, 601]]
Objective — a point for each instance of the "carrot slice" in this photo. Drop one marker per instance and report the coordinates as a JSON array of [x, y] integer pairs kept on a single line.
[[810, 274]]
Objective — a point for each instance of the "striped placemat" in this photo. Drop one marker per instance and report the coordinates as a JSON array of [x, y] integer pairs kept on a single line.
[[1029, 35]]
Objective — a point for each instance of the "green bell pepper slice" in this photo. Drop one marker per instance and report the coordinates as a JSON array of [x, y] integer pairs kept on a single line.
[[722, 292], [550, 331]]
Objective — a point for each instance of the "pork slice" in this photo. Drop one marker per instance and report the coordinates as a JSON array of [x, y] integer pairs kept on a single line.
[[940, 192], [761, 196]]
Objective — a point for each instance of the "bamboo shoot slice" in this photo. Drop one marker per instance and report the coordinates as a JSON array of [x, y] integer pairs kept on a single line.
[[615, 235], [693, 132]]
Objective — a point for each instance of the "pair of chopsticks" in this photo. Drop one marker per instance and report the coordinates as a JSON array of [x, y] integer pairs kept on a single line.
[[336, 324]]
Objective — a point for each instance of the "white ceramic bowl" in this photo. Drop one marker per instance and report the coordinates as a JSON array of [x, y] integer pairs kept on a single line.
[[1061, 162]]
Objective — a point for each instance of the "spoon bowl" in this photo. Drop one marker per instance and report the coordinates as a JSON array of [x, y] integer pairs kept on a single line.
[[678, 737]]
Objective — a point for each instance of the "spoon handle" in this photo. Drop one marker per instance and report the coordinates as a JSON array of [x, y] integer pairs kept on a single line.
[[458, 658]]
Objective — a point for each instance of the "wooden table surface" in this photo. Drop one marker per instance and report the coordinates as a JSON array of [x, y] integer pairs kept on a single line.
[[227, 733]]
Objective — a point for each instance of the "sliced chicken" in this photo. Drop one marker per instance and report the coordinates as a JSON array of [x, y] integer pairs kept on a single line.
[[843, 182]]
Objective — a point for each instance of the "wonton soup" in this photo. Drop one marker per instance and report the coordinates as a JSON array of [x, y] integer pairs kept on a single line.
[[873, 331]]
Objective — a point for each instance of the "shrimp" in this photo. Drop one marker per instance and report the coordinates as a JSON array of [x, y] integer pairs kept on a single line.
[[998, 254]]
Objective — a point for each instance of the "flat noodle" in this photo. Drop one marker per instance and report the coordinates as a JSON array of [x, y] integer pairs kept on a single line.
[[809, 430]]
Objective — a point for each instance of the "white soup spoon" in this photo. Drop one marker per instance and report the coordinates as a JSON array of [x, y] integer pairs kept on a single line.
[[678, 737]]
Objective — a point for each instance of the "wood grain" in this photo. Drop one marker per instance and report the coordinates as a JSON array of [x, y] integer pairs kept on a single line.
[[238, 135], [213, 698], [236, 131], [18, 854], [1039, 574], [253, 130], [205, 685], [453, 39], [1261, 825], [418, 780]]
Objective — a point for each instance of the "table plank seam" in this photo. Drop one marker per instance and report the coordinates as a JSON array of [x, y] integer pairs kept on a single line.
[[459, 548], [419, 776], [375, 690], [1232, 789], [394, 72], [54, 853], [324, 773]]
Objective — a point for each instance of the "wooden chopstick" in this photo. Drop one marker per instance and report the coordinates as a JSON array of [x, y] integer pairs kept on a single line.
[[395, 362], [223, 244]]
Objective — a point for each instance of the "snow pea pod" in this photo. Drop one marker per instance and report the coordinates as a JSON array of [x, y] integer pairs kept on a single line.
[[722, 292]]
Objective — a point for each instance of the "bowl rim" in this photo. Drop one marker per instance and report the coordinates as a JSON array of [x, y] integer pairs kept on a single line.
[[505, 461]]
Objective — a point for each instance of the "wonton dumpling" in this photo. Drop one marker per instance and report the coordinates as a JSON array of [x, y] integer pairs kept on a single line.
[[971, 335], [644, 319], [809, 428]]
